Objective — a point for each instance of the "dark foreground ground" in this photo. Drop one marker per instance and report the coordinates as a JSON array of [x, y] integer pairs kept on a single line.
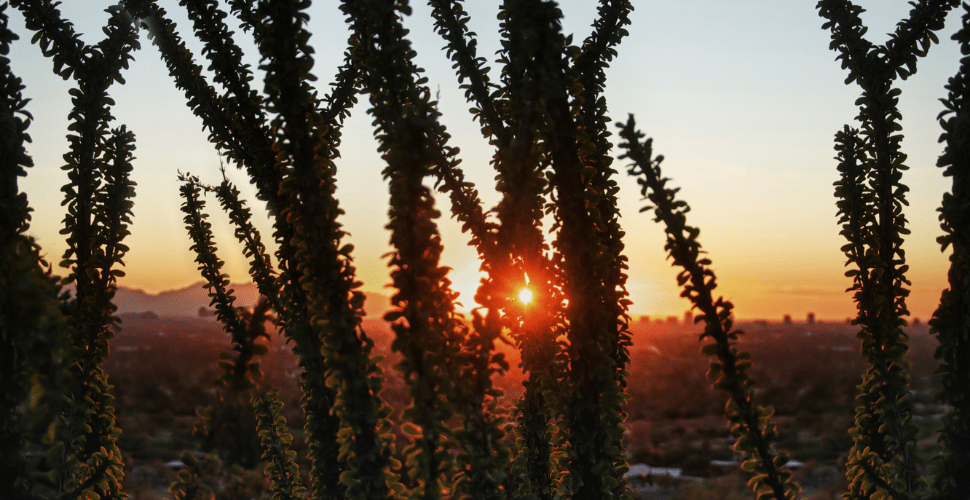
[[163, 370]]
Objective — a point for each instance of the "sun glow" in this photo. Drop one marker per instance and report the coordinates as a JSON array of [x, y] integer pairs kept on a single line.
[[525, 296]]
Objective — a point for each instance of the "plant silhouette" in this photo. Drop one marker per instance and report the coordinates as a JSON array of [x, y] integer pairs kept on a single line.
[[546, 119]]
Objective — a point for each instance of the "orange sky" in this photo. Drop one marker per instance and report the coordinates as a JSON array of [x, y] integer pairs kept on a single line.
[[742, 99]]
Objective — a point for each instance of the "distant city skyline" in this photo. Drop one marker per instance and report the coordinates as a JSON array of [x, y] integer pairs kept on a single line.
[[743, 99]]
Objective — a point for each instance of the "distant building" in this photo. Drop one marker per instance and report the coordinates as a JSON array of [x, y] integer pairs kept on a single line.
[[811, 318], [787, 319], [689, 318], [729, 465], [641, 470]]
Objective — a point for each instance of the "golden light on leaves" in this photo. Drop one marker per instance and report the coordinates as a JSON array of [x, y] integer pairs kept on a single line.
[[525, 296]]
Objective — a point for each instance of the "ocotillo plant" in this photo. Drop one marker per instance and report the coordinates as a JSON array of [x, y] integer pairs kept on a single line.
[[882, 463], [83, 457], [225, 427], [407, 120], [883, 459], [952, 317], [547, 121], [407, 123], [749, 423], [33, 350]]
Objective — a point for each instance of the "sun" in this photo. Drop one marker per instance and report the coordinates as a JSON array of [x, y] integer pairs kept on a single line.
[[525, 296]]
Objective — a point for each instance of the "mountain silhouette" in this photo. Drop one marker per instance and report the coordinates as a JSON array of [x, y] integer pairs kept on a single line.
[[188, 300]]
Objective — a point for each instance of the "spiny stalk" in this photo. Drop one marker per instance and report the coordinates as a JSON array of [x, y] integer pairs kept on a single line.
[[750, 423], [952, 317], [884, 437]]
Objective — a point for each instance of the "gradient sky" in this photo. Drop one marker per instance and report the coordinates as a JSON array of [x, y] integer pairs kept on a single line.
[[742, 98]]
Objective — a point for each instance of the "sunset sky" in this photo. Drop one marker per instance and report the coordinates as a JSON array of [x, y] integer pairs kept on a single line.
[[742, 98]]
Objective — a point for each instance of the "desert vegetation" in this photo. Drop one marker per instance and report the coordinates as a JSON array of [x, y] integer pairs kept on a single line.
[[555, 231]]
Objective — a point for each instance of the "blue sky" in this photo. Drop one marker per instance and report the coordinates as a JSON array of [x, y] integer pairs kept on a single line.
[[742, 98]]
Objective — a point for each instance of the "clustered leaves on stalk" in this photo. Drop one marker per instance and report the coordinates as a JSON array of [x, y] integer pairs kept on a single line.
[[546, 117], [750, 423], [225, 427], [951, 320], [403, 109], [33, 351], [883, 461], [281, 467], [246, 140], [305, 156], [428, 331], [81, 454]]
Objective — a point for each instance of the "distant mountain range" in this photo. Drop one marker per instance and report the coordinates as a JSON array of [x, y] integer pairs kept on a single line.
[[187, 301]]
